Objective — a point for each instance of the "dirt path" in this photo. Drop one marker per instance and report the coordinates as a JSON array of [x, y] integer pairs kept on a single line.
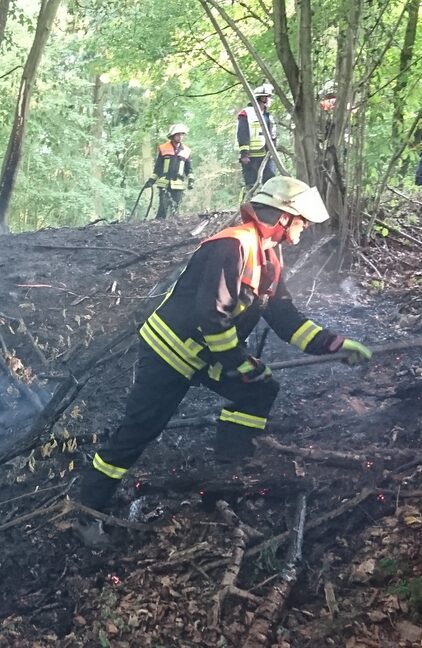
[[191, 574]]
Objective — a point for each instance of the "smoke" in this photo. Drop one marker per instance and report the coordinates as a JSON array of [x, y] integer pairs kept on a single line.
[[16, 409]]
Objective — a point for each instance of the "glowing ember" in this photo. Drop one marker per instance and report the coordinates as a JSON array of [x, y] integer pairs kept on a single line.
[[114, 579], [381, 497]]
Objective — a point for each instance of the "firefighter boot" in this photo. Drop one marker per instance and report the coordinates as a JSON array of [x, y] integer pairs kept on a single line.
[[233, 445], [96, 492]]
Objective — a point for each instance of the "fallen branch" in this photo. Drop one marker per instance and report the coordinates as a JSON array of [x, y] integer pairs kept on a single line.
[[277, 541], [103, 248], [303, 259], [70, 506], [269, 612], [147, 255], [332, 457], [239, 541]]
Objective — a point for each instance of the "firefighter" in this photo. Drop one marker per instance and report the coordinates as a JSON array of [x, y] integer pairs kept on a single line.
[[418, 176], [327, 103], [251, 140], [197, 336], [172, 168]]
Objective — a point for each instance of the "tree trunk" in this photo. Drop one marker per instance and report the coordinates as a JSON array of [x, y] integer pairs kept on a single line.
[[305, 107], [97, 133], [13, 154], [299, 77], [347, 37], [4, 10], [405, 58]]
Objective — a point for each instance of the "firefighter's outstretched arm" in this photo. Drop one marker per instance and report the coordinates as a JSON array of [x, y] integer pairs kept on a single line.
[[294, 327]]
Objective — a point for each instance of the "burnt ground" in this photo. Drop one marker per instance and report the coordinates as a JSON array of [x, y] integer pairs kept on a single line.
[[180, 572]]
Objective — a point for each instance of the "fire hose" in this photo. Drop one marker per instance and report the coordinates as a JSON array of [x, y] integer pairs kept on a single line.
[[388, 347], [138, 199]]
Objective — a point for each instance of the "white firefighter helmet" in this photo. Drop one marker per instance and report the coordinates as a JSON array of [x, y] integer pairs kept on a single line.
[[264, 90], [329, 89], [177, 128], [293, 196]]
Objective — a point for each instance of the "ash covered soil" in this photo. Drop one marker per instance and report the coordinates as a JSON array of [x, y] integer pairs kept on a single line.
[[181, 570]]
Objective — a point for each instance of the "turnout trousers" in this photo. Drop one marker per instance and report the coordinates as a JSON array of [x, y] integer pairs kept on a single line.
[[169, 202], [250, 171], [155, 395]]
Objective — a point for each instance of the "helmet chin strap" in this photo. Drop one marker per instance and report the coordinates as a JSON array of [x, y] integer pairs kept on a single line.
[[286, 228]]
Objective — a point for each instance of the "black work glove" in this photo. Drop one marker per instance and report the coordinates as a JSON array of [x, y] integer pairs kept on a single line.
[[149, 183], [252, 370]]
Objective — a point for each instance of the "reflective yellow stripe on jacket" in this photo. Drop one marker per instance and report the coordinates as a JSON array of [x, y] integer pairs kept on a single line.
[[305, 334], [180, 355], [114, 472], [240, 418], [224, 341]]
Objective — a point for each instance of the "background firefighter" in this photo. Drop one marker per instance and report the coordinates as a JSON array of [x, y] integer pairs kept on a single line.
[[418, 176], [251, 140], [197, 334], [172, 168]]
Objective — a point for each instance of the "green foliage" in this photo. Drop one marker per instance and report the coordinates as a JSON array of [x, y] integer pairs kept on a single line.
[[103, 639], [380, 229], [161, 63], [378, 284]]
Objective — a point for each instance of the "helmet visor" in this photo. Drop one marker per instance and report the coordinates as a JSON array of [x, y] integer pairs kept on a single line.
[[308, 204]]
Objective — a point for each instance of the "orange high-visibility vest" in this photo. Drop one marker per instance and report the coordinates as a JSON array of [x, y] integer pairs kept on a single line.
[[255, 258], [168, 149]]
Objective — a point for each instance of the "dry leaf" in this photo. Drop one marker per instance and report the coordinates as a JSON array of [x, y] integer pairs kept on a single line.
[[411, 520], [409, 631], [377, 615], [48, 448], [76, 412], [363, 572]]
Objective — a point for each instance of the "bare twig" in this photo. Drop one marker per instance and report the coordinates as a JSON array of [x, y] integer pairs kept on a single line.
[[281, 539], [395, 229], [31, 494], [399, 193]]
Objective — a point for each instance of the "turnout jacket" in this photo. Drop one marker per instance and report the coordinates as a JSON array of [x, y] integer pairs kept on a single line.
[[250, 137], [228, 284], [172, 166]]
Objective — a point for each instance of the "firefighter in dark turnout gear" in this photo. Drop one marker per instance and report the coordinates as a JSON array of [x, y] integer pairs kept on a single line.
[[197, 336], [173, 167], [251, 140], [418, 176]]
